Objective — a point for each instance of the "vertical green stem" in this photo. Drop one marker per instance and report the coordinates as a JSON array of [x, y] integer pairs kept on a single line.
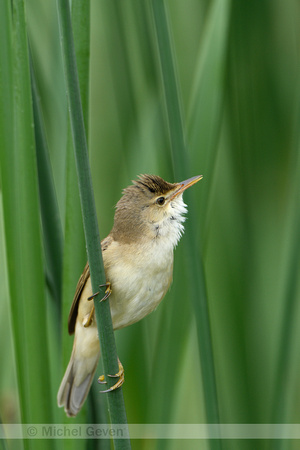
[[52, 229], [181, 169], [74, 245], [170, 86], [22, 222], [103, 316]]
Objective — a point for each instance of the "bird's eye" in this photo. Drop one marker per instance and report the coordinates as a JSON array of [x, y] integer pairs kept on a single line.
[[160, 201]]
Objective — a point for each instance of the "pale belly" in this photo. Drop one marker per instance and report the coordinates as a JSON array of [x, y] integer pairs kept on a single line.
[[138, 288], [128, 307]]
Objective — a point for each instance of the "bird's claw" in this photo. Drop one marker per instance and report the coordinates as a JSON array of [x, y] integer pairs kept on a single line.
[[89, 318], [101, 380], [119, 374], [107, 292]]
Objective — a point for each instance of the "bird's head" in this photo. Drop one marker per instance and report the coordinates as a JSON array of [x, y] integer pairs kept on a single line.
[[151, 208]]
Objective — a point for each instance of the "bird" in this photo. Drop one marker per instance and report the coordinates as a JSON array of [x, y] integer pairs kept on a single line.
[[138, 258]]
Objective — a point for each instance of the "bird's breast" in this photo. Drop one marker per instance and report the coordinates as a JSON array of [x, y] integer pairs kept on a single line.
[[140, 277]]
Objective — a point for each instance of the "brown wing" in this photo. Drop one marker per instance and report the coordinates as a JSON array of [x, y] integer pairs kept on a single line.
[[74, 308], [79, 288]]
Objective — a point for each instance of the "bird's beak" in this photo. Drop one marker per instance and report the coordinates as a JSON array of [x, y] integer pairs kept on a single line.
[[186, 184]]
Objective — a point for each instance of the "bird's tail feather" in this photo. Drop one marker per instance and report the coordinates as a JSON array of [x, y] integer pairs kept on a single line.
[[75, 387]]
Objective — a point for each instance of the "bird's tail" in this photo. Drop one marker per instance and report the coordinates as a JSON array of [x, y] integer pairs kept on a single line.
[[76, 383]]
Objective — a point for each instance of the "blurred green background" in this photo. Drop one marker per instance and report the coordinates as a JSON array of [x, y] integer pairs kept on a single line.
[[238, 76]]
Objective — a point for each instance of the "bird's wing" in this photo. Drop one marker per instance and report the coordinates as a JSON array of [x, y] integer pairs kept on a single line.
[[79, 288]]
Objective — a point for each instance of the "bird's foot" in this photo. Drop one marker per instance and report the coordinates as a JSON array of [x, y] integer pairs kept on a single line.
[[107, 292], [119, 374], [88, 318]]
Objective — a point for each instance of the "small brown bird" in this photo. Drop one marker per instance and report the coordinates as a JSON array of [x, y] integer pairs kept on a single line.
[[138, 263]]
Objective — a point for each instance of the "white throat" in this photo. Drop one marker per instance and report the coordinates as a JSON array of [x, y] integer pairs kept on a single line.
[[170, 229]]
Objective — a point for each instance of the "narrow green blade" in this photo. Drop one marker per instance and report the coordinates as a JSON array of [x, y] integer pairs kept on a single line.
[[22, 224]]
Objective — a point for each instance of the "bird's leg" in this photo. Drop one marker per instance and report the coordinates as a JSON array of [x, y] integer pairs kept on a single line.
[[88, 320], [119, 375], [107, 291]]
